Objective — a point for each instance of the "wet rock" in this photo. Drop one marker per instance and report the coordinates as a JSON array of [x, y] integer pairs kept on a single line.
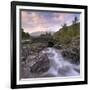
[[58, 46], [78, 70], [72, 54], [25, 51], [38, 64], [64, 70], [50, 44]]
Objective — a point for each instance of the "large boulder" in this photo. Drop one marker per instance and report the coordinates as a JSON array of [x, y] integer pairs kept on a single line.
[[72, 50], [72, 54], [38, 63]]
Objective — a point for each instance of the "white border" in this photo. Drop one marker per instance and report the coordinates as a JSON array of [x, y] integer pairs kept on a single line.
[[51, 80]]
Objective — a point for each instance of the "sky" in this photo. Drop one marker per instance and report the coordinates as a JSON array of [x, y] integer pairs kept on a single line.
[[35, 21]]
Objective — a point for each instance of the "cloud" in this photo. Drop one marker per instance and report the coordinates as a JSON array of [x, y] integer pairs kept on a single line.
[[33, 21], [59, 17]]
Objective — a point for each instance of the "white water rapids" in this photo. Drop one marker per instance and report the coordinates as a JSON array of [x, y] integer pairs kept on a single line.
[[58, 66]]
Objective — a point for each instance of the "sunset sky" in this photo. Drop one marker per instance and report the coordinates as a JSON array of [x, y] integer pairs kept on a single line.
[[34, 21]]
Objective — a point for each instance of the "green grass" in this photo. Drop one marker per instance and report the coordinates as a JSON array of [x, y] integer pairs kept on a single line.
[[65, 36]]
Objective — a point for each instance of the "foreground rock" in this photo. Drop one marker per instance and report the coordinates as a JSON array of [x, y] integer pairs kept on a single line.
[[72, 54], [38, 64], [35, 65], [72, 51]]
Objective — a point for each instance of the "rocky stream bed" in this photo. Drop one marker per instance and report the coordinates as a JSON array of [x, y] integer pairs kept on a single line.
[[46, 62]]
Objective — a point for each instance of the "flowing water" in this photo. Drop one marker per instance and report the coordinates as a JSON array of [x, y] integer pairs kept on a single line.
[[59, 66]]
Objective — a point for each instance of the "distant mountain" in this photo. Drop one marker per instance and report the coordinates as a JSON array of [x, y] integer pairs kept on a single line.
[[40, 32]]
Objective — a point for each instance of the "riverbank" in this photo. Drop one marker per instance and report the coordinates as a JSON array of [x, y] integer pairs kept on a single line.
[[45, 62], [71, 51], [34, 63]]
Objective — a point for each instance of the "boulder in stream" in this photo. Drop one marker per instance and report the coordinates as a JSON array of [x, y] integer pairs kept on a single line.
[[38, 63]]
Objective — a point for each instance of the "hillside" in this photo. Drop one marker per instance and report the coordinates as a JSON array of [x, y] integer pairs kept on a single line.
[[69, 39], [66, 34]]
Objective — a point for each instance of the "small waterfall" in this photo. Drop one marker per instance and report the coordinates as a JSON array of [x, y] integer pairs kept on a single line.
[[59, 66]]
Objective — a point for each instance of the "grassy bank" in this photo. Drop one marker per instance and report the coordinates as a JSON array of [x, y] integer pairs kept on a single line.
[[69, 40]]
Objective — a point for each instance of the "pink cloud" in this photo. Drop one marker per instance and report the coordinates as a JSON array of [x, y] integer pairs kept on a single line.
[[38, 22], [43, 21], [61, 17]]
